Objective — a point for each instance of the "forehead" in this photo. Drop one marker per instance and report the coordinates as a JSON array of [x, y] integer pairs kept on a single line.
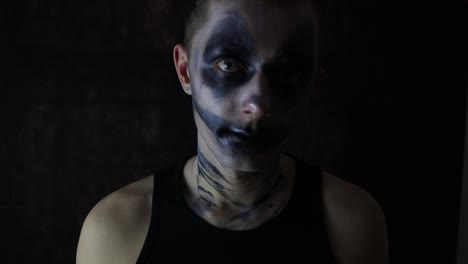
[[269, 23]]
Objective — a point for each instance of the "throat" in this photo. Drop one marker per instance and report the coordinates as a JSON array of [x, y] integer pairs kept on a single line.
[[235, 189], [237, 200]]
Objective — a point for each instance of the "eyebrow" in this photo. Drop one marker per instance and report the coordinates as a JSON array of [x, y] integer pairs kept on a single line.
[[231, 35], [301, 39]]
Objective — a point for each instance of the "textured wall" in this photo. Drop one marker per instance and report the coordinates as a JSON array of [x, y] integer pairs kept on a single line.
[[90, 102]]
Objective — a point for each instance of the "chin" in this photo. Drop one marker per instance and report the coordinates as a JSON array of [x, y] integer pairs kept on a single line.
[[233, 155]]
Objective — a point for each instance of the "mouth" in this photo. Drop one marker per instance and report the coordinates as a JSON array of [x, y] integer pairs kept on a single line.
[[239, 137], [245, 140], [241, 133], [251, 140]]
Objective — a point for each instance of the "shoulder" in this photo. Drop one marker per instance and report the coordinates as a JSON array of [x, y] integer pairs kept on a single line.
[[115, 229], [355, 223]]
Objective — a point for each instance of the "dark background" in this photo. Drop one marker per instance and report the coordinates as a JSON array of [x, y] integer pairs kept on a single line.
[[90, 101]]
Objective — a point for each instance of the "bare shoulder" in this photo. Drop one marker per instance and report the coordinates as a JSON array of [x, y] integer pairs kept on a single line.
[[115, 229], [355, 223]]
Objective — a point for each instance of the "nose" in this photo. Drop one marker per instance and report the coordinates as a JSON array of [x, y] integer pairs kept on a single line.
[[255, 110], [256, 102]]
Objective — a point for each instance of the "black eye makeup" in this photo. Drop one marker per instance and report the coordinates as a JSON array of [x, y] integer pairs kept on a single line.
[[230, 36], [292, 73], [230, 66], [230, 60], [228, 55], [292, 68]]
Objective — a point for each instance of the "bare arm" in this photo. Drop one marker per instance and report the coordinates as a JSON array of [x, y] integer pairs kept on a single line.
[[356, 224], [115, 229]]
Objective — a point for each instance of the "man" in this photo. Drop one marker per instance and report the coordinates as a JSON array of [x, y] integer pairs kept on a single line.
[[250, 67]]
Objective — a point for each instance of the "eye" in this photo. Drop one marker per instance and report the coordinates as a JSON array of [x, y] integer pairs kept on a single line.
[[295, 74], [294, 78], [229, 65]]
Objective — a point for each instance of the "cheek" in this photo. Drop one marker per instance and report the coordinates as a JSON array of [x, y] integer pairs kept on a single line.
[[217, 92], [207, 116], [292, 109], [221, 84], [288, 95], [213, 79], [209, 105], [287, 99]]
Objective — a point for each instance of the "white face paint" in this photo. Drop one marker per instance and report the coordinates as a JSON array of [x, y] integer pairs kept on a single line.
[[252, 67]]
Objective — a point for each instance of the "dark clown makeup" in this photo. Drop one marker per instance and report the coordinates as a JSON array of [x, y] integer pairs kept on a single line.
[[216, 183], [228, 57], [231, 58], [251, 69], [242, 139]]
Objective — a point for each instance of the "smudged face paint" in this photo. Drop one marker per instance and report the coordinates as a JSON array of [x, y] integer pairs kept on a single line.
[[228, 57], [251, 78], [243, 139]]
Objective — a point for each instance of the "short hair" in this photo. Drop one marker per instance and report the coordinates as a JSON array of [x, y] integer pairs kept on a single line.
[[199, 15], [196, 19]]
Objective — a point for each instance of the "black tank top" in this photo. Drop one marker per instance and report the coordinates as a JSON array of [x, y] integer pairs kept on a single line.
[[177, 235]]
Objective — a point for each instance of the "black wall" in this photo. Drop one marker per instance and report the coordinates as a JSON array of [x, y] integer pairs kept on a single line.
[[89, 102]]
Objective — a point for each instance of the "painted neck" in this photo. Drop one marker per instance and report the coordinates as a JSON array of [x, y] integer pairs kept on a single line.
[[234, 187]]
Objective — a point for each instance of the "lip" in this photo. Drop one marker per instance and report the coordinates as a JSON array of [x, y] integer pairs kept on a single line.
[[237, 141], [247, 140], [238, 137], [241, 133]]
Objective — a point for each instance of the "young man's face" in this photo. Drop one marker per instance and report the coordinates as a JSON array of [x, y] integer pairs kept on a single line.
[[251, 68]]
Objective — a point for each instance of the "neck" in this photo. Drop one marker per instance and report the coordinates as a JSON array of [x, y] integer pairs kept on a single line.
[[233, 188]]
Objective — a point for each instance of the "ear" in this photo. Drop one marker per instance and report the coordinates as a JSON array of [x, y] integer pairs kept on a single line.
[[181, 65]]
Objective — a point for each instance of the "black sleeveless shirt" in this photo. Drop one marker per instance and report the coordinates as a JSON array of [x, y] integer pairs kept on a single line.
[[177, 235]]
